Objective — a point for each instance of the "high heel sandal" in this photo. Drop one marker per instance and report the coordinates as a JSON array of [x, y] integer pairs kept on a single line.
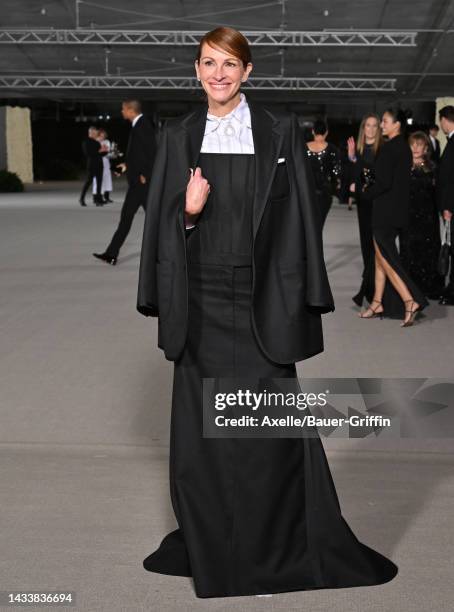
[[373, 310], [412, 317]]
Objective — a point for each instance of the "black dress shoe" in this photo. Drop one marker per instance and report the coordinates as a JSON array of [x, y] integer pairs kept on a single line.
[[82, 203], [447, 300], [106, 257], [99, 200]]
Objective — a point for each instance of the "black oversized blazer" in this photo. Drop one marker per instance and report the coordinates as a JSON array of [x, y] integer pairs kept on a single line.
[[290, 287]]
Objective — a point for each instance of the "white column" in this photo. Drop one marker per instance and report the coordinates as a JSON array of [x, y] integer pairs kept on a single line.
[[16, 150]]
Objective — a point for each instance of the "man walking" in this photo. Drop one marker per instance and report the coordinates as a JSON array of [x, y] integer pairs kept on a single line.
[[445, 190], [140, 156], [93, 151]]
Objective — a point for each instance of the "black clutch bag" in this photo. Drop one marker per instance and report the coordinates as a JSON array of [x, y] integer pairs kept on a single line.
[[443, 258]]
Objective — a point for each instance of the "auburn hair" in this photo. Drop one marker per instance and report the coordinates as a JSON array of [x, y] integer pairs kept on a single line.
[[229, 40], [421, 136]]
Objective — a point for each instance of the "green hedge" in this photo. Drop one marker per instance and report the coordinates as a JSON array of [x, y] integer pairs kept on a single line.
[[10, 182]]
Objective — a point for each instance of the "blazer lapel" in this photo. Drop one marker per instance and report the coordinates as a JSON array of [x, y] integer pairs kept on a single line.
[[267, 137], [194, 127], [267, 144]]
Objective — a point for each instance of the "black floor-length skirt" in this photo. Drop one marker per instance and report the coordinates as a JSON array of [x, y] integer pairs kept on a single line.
[[364, 212], [254, 515], [393, 306]]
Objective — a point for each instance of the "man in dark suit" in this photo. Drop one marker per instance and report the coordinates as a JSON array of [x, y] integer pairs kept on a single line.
[[140, 155], [93, 152], [435, 143], [445, 190]]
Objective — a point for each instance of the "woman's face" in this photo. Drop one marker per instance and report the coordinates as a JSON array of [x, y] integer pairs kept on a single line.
[[389, 127], [418, 148], [220, 73], [371, 128]]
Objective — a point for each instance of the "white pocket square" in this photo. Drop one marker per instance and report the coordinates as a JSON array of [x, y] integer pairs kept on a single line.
[[281, 160]]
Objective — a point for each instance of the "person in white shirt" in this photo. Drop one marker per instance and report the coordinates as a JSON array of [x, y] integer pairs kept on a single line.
[[106, 186]]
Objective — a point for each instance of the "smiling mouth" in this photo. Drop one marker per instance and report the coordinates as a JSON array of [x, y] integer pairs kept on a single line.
[[219, 85]]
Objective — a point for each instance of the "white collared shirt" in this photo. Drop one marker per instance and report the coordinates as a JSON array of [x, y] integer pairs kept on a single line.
[[231, 133], [136, 119]]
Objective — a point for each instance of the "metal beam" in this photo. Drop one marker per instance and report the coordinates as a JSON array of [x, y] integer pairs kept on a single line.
[[179, 38], [169, 82]]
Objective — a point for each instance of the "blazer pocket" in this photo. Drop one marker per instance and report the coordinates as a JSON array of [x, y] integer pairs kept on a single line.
[[280, 187], [165, 278], [293, 287]]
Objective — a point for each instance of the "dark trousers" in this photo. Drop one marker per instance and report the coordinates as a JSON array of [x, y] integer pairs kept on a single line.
[[135, 196], [449, 289], [93, 172]]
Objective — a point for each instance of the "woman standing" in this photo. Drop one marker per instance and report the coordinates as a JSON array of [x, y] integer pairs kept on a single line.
[[391, 194], [362, 156], [420, 243], [326, 166], [106, 186], [232, 264]]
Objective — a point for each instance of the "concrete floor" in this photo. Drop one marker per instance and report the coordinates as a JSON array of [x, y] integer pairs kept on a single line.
[[85, 397]]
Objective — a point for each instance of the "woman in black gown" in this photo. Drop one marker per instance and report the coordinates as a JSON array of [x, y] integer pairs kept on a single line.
[[400, 297], [326, 166], [254, 515], [362, 156], [420, 243]]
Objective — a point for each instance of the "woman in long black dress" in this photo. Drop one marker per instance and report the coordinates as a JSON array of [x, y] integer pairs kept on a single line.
[[362, 156], [420, 242], [255, 515], [400, 297], [326, 166]]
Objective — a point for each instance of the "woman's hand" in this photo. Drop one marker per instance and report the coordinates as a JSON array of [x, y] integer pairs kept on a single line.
[[351, 147], [197, 192]]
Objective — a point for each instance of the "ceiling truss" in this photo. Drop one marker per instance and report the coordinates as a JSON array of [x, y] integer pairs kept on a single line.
[[185, 83], [177, 38]]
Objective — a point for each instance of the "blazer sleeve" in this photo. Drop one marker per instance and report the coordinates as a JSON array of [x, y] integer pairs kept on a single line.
[[318, 291], [147, 296], [384, 175]]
